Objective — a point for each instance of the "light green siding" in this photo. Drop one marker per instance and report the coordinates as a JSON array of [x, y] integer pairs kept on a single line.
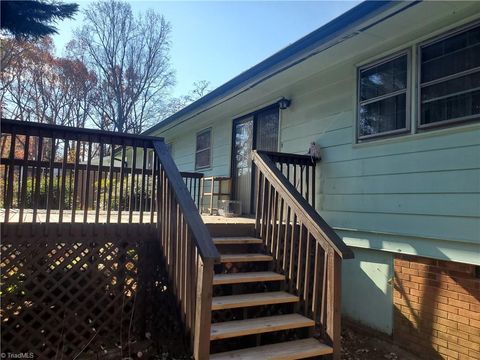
[[416, 193], [367, 290]]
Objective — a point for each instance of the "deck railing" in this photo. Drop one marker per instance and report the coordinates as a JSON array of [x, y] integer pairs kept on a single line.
[[61, 174], [305, 248], [299, 171], [189, 251], [55, 174]]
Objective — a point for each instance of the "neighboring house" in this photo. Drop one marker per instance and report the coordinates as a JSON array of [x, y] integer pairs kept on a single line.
[[391, 93]]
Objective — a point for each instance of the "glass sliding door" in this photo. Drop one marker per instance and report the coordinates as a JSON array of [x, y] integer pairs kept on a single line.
[[242, 171], [258, 131]]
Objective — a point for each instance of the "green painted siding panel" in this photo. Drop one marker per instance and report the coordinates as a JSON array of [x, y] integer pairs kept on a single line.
[[366, 292]]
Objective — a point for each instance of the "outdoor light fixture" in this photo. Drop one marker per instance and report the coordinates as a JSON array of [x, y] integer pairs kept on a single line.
[[284, 103]]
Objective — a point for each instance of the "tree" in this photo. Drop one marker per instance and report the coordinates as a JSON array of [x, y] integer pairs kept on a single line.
[[175, 104], [130, 58], [33, 19]]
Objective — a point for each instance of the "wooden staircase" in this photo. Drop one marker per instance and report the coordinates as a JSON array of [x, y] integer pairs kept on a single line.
[[247, 251]]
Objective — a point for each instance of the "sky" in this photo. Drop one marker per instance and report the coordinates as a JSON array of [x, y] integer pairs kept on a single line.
[[217, 40]]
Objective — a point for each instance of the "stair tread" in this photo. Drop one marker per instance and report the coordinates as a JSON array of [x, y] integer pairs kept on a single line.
[[236, 240], [247, 277], [229, 329], [255, 299], [289, 350], [247, 257]]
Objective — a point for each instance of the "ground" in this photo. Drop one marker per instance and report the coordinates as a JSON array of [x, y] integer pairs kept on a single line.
[[360, 344]]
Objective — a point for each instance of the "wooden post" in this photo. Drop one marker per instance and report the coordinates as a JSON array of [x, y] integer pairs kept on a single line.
[[203, 316], [334, 302]]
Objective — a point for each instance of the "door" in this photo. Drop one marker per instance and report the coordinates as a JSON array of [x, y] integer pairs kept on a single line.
[[258, 131]]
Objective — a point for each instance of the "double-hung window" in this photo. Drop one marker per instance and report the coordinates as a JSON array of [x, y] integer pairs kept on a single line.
[[383, 99], [450, 78], [203, 149]]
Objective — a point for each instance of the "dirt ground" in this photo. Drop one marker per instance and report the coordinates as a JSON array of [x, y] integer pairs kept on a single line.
[[359, 344]]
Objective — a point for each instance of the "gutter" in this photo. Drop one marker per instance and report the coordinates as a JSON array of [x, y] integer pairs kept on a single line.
[[327, 36]]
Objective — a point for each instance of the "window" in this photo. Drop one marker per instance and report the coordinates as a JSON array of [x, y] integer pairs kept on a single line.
[[450, 78], [203, 149], [383, 92]]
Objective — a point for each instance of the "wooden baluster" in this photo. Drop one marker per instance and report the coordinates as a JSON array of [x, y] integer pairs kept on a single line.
[[324, 299], [269, 216], [11, 169], [50, 180], [70, 188], [293, 246], [75, 180], [199, 194], [155, 175], [26, 149], [317, 277], [110, 183], [258, 202], [280, 231], [63, 180], [286, 242], [142, 189], [87, 182], [306, 282], [273, 242], [37, 179], [131, 205], [300, 259], [99, 183], [307, 184], [301, 179], [313, 185], [120, 199]]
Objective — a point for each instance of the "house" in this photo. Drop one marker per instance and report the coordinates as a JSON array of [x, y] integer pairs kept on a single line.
[[390, 91]]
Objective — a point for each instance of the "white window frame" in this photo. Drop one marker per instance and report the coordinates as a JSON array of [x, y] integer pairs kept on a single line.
[[208, 148], [408, 95], [419, 47]]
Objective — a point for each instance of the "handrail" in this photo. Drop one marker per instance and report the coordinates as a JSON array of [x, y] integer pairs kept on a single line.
[[188, 249], [303, 246], [202, 237], [309, 216], [288, 158], [75, 133]]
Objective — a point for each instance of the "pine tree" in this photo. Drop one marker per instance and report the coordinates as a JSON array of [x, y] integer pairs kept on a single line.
[[33, 19]]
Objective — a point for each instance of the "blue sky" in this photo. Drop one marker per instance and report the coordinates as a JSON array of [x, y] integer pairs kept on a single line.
[[217, 40]]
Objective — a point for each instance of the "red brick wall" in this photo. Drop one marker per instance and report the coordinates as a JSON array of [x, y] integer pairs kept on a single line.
[[437, 308]]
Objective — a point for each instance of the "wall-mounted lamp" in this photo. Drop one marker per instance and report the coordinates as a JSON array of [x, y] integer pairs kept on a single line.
[[284, 103]]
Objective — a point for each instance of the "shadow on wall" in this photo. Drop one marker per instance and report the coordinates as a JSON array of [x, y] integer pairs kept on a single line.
[[436, 307]]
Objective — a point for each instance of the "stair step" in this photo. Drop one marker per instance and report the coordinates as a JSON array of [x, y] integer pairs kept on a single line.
[[231, 258], [247, 277], [234, 240], [229, 329], [289, 350], [246, 300]]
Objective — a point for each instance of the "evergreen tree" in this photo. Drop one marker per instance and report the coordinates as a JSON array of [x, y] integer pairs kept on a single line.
[[33, 19]]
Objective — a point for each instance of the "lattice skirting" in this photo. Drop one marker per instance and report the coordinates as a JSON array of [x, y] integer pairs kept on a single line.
[[71, 289]]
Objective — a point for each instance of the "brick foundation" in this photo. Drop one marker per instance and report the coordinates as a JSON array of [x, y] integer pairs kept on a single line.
[[437, 308]]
